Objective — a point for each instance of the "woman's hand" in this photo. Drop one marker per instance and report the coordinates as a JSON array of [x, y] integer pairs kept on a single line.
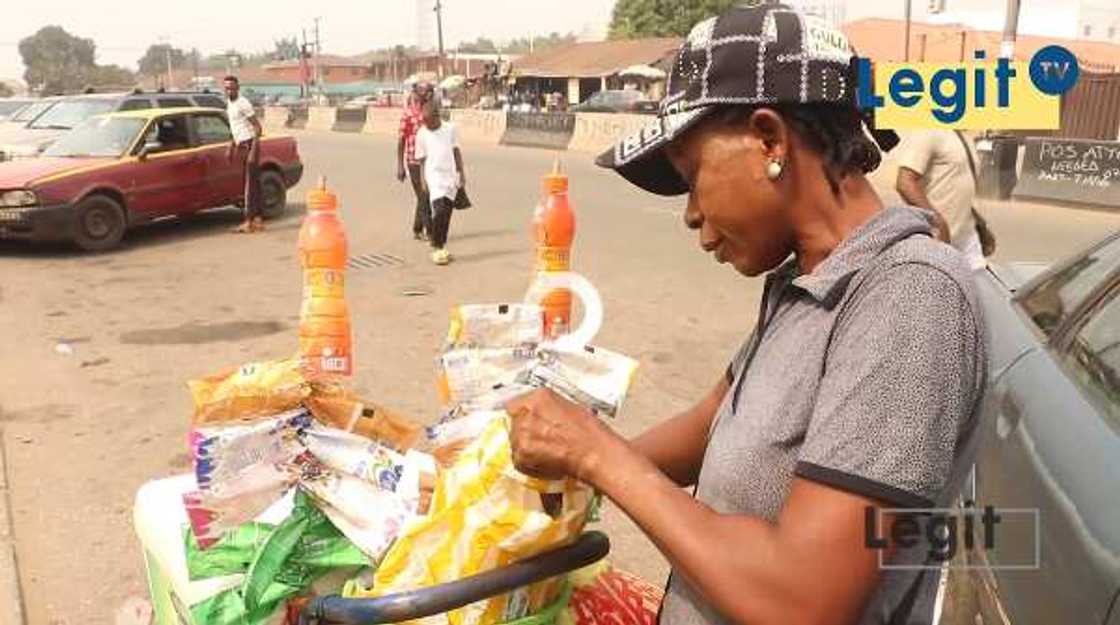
[[552, 438]]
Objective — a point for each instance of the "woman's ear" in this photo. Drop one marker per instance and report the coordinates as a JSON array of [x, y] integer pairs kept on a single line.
[[772, 132]]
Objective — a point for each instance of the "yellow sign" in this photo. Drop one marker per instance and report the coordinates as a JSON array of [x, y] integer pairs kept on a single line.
[[967, 96]]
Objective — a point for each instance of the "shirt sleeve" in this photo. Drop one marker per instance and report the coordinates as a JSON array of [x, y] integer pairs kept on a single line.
[[897, 389], [916, 152], [247, 109]]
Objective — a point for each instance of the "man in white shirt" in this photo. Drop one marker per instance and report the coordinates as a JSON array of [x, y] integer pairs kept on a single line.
[[936, 173], [246, 132], [437, 150]]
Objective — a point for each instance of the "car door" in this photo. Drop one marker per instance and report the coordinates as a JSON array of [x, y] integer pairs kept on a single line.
[[224, 178], [1052, 445], [169, 178]]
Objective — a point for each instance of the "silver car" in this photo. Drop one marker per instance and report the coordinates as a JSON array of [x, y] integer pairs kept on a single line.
[[1050, 447]]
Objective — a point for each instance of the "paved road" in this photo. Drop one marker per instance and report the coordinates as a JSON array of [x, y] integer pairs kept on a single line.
[[84, 430]]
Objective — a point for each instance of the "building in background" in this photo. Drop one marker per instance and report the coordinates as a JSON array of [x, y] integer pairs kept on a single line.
[[1067, 19], [582, 69], [832, 11]]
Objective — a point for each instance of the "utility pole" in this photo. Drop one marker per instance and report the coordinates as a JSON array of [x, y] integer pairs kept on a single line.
[[439, 30], [1010, 30], [907, 53], [303, 90], [318, 51]]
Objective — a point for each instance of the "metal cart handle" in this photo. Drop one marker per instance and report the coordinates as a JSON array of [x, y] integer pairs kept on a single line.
[[588, 549]]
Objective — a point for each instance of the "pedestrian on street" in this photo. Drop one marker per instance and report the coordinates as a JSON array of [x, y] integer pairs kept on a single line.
[[412, 120], [858, 390], [936, 172], [245, 143], [437, 150]]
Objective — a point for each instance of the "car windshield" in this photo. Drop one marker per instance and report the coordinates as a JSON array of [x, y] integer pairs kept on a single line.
[[69, 113], [33, 110], [100, 136], [8, 107]]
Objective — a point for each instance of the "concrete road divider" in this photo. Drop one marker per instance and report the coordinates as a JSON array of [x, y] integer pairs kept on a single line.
[[382, 121], [321, 117], [539, 130], [484, 127], [350, 120], [275, 117], [595, 132]]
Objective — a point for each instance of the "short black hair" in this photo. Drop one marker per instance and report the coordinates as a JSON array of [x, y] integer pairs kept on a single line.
[[232, 78], [834, 131]]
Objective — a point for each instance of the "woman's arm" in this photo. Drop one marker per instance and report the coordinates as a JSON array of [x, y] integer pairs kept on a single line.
[[677, 446]]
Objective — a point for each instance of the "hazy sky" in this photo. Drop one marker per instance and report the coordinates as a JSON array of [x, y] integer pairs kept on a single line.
[[123, 29]]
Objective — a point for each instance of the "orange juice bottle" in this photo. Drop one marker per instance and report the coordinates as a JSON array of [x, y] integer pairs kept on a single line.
[[324, 324], [554, 225]]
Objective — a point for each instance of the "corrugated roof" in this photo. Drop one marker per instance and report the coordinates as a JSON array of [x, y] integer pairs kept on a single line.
[[595, 59], [883, 39]]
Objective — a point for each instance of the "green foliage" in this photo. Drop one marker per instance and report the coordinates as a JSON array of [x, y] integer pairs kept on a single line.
[[6, 91], [112, 76], [634, 19], [154, 61], [56, 61]]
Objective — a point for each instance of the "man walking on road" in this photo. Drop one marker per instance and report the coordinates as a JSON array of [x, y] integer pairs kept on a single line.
[[936, 173], [246, 132], [412, 120]]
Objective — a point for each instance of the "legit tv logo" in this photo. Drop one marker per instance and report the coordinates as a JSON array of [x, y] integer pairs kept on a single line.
[[977, 95]]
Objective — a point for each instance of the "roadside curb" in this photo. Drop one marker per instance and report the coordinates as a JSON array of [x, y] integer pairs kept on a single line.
[[11, 598]]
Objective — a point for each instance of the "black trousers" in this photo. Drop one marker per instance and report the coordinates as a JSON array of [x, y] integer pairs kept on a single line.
[[441, 221], [422, 220], [248, 153]]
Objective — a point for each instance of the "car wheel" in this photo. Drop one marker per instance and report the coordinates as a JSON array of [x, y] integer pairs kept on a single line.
[[99, 223], [274, 194]]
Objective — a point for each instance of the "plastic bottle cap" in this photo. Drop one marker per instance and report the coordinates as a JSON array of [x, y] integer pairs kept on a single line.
[[557, 181], [320, 199]]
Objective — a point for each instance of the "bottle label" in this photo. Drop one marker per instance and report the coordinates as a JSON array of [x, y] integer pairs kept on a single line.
[[324, 283], [553, 258]]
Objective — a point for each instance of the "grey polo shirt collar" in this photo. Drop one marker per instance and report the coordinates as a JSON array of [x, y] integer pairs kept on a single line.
[[829, 279]]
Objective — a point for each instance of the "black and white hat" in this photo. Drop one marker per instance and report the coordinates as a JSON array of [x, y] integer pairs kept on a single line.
[[755, 53]]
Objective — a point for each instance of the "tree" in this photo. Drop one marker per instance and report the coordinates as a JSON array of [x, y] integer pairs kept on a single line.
[[56, 61], [154, 61], [482, 45], [111, 76], [6, 91], [287, 49], [661, 18]]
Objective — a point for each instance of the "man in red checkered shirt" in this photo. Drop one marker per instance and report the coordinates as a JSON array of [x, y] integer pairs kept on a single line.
[[412, 120]]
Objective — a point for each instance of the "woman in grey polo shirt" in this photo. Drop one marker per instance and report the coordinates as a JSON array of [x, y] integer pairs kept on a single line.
[[857, 391]]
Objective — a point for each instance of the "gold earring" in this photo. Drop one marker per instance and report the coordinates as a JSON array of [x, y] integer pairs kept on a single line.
[[774, 169]]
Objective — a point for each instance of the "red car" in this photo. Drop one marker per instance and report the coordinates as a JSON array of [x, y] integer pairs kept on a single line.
[[122, 169]]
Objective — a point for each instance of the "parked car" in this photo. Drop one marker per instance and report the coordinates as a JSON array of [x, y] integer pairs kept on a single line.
[[617, 101], [11, 106], [25, 115], [361, 102], [117, 170], [1051, 443], [67, 112]]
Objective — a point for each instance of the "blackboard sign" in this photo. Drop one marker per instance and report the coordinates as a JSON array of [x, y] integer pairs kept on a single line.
[[546, 130], [1071, 170]]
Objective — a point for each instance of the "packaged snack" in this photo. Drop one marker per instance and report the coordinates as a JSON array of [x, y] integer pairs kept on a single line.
[[495, 325], [340, 408], [485, 515], [469, 374], [593, 377], [253, 390], [230, 460]]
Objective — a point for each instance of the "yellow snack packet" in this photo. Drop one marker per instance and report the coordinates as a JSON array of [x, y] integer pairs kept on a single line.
[[256, 389], [484, 515]]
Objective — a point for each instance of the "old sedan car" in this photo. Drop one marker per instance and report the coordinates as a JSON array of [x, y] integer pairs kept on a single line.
[[121, 169], [1050, 447]]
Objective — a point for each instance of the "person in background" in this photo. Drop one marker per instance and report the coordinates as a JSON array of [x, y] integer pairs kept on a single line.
[[412, 120], [936, 173], [437, 150], [245, 134]]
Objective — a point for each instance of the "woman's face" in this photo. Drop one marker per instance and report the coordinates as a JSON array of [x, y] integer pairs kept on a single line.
[[739, 212]]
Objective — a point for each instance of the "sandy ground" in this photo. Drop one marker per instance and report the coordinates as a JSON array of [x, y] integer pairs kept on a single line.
[[83, 430]]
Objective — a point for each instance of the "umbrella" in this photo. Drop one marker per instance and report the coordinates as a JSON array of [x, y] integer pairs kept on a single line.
[[451, 83], [643, 71]]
